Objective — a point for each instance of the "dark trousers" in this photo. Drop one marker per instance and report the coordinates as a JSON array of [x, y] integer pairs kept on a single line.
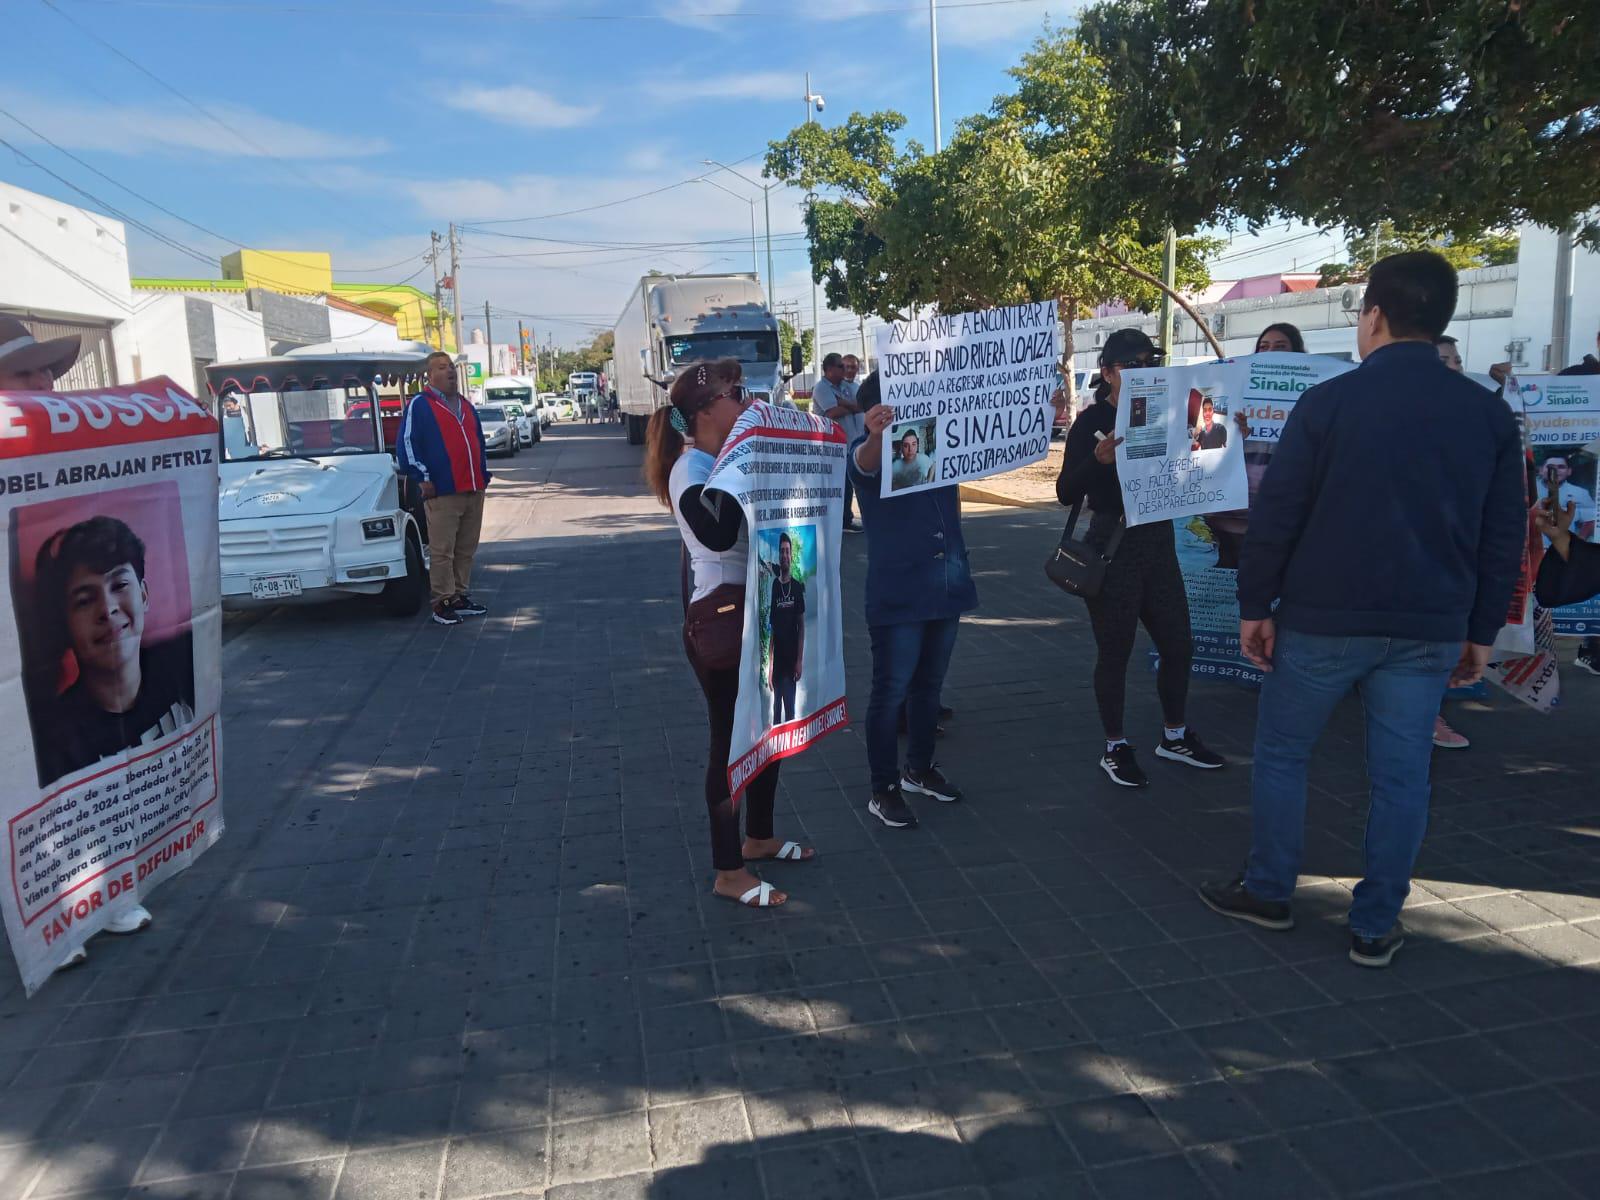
[[849, 497], [783, 689], [722, 690], [1143, 586], [909, 661]]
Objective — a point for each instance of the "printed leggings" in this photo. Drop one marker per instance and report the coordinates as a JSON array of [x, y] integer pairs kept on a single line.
[[1143, 584], [722, 689]]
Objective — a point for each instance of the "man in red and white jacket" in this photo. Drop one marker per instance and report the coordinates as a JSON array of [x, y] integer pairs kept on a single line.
[[442, 448]]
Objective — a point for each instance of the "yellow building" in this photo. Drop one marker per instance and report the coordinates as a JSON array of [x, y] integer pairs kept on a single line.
[[310, 273]]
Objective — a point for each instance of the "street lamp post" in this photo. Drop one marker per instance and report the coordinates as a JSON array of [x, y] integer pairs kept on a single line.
[[814, 103], [766, 202], [933, 47], [750, 200]]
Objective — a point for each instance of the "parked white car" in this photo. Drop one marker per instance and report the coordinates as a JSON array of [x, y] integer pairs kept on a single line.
[[548, 408], [499, 431], [528, 429], [312, 507]]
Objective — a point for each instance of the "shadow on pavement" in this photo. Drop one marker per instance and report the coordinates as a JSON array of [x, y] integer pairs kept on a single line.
[[459, 941]]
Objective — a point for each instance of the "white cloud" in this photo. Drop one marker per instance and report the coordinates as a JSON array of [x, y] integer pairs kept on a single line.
[[702, 14], [645, 158], [517, 105], [999, 23], [740, 85], [133, 129]]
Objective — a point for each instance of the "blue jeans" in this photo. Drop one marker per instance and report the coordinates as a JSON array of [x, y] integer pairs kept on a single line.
[[909, 660], [1400, 684]]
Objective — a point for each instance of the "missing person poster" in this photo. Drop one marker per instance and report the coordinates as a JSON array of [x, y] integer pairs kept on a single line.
[[110, 657], [1265, 387], [786, 470], [970, 392], [1181, 455], [1561, 421]]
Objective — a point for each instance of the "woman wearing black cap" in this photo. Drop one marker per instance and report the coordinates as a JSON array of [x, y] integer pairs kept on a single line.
[[1142, 582]]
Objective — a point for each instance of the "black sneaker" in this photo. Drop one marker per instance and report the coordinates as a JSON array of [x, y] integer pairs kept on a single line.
[[890, 807], [1190, 751], [1378, 951], [1123, 767], [444, 614], [1585, 661], [1233, 899], [466, 606], [851, 527], [930, 783], [946, 712]]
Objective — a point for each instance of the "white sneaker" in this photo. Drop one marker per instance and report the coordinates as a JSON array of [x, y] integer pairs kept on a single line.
[[76, 959], [132, 921]]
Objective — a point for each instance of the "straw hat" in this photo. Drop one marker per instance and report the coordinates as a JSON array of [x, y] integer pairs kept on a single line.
[[21, 351]]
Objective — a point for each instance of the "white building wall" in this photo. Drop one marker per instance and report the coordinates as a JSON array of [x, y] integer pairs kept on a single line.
[[239, 335], [155, 341], [360, 331]]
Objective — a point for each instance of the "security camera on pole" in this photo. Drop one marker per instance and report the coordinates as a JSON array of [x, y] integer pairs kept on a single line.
[[813, 99]]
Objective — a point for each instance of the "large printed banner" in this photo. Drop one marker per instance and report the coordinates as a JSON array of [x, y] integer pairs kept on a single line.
[[1179, 456], [1264, 387], [110, 657], [786, 470], [1561, 421], [970, 392]]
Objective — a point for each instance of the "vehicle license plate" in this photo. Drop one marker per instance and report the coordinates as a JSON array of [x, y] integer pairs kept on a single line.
[[274, 587]]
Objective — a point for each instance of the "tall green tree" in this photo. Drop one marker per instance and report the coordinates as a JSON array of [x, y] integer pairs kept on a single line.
[[1444, 116]]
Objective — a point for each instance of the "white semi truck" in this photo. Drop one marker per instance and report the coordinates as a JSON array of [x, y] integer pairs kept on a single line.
[[672, 321]]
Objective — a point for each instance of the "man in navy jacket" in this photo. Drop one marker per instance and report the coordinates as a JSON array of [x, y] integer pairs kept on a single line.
[[1388, 532], [442, 449]]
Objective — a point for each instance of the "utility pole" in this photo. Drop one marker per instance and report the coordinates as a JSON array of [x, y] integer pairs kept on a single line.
[[488, 336], [816, 309], [933, 40], [455, 283], [522, 359], [1561, 310], [866, 363], [438, 295], [1169, 276]]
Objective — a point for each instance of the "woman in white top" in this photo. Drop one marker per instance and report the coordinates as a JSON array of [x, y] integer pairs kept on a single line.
[[680, 448]]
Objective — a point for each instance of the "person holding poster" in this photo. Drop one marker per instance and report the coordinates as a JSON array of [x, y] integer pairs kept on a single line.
[[1569, 573], [1371, 567], [919, 582], [1143, 584], [681, 447]]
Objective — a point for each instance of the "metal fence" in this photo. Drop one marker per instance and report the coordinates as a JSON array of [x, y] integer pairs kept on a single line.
[[97, 361]]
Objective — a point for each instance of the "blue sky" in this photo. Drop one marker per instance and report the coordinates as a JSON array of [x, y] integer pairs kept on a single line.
[[356, 127]]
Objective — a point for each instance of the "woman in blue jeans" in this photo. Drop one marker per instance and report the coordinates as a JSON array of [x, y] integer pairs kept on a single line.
[[918, 585]]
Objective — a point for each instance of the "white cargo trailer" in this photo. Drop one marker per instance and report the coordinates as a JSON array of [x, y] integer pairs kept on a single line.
[[672, 321]]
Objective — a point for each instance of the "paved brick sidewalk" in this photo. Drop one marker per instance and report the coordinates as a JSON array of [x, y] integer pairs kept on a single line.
[[458, 941]]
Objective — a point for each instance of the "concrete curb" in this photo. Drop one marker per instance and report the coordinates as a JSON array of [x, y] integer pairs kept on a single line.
[[983, 495]]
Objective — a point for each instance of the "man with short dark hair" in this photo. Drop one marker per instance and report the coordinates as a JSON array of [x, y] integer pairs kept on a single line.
[[1369, 566], [788, 612], [835, 398], [442, 448], [1211, 434], [1449, 352]]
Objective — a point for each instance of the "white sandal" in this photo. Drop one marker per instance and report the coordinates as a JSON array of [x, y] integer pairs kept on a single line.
[[792, 851], [759, 896]]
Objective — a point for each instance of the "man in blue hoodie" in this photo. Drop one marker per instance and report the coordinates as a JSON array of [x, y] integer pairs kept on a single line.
[[1383, 548]]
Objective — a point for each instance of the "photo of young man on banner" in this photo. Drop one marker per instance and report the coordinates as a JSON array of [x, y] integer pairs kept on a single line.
[[785, 469]]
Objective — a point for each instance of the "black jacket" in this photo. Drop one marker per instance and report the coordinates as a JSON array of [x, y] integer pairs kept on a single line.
[[1394, 507]]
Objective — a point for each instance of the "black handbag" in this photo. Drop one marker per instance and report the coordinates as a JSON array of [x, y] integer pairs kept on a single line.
[[1078, 567]]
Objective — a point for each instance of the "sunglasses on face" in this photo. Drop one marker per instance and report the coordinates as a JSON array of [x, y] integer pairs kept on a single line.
[[1134, 364], [737, 393]]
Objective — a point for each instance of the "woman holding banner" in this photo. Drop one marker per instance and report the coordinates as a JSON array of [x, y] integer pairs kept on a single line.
[[1143, 583], [681, 447]]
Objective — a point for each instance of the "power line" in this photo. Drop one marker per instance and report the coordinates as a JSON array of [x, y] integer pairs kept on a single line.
[[551, 17], [117, 183], [609, 203], [192, 103]]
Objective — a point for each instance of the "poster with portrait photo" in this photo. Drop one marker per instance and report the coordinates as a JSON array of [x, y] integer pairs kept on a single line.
[[785, 469], [788, 565], [915, 451], [1561, 422], [110, 658]]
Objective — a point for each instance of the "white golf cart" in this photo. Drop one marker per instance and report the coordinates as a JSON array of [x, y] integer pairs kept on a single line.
[[312, 507]]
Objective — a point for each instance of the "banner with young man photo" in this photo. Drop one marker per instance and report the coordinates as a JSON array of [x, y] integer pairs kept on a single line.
[[785, 469], [110, 660], [1561, 423], [971, 394]]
